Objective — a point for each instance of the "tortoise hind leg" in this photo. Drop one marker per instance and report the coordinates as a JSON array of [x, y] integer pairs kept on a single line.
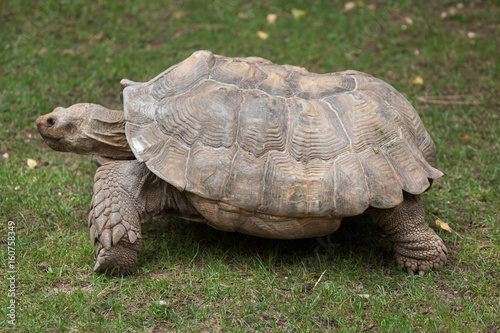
[[417, 247], [126, 193]]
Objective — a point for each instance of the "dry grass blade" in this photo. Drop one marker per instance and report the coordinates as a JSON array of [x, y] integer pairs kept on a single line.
[[455, 99], [445, 102], [321, 276]]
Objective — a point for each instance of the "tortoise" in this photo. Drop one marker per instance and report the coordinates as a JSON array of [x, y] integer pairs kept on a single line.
[[249, 146]]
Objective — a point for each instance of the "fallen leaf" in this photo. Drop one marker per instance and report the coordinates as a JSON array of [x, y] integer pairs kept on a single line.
[[349, 6], [443, 225], [452, 11], [97, 37], [262, 35], [364, 296], [298, 13], [68, 51], [178, 15], [271, 18], [42, 51], [31, 163], [6, 155], [43, 265], [418, 80], [416, 52], [360, 3], [242, 15], [471, 34], [460, 5], [371, 6], [409, 20]]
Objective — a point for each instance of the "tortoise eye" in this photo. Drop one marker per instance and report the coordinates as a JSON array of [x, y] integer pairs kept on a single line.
[[70, 128], [50, 122]]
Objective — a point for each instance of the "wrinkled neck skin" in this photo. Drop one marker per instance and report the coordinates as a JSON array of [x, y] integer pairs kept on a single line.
[[86, 129], [106, 131]]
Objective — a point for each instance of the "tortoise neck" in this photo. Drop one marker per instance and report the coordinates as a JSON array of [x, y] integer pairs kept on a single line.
[[106, 128]]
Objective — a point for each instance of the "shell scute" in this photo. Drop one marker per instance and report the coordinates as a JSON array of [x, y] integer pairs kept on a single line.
[[263, 123], [294, 188], [246, 180], [208, 169], [316, 131], [275, 84], [350, 190], [207, 114], [318, 86], [183, 76], [243, 74]]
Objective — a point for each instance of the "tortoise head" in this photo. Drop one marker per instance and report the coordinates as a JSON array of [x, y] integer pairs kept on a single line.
[[86, 129]]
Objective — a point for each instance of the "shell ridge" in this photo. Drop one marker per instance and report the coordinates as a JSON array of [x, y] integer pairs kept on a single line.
[[334, 189], [355, 81], [340, 121], [238, 115], [188, 162], [229, 173], [364, 176], [408, 169], [288, 80], [396, 174], [420, 160]]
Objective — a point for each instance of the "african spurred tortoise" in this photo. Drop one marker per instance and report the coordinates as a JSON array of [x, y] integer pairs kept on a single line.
[[246, 145]]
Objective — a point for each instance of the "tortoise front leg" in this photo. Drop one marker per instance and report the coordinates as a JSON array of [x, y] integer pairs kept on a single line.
[[126, 193], [417, 247]]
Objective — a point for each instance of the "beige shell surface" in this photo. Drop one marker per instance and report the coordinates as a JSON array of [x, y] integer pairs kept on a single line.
[[279, 140]]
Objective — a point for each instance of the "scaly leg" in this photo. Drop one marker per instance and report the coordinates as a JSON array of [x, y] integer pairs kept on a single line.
[[126, 194], [417, 247]]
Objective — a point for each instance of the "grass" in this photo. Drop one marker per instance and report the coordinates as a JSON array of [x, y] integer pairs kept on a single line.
[[193, 278]]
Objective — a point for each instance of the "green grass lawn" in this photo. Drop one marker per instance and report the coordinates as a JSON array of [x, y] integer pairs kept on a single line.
[[194, 278]]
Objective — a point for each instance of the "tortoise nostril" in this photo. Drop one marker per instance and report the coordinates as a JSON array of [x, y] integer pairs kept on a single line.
[[51, 122]]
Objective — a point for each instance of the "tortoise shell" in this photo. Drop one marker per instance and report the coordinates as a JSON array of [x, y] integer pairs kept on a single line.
[[279, 140]]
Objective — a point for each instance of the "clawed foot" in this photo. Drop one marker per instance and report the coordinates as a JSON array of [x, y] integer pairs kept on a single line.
[[420, 255], [120, 259]]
